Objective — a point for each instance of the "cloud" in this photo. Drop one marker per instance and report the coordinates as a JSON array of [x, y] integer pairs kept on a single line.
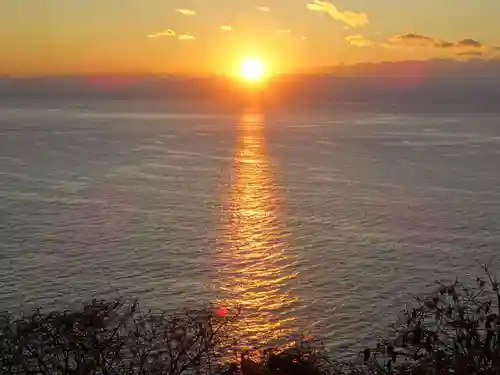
[[171, 33], [226, 28], [167, 32], [186, 12], [186, 37], [263, 9], [467, 47], [358, 41], [470, 53], [469, 43], [415, 39], [350, 18], [444, 44], [283, 31], [464, 43]]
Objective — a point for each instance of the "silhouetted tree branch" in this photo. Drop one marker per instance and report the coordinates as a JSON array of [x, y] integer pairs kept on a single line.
[[454, 330]]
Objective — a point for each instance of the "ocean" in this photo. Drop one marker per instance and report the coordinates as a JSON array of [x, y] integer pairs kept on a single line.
[[313, 221]]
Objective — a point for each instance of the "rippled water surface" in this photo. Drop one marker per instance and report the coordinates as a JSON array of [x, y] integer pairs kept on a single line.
[[317, 222]]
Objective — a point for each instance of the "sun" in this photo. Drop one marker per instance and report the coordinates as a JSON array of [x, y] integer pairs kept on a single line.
[[252, 70]]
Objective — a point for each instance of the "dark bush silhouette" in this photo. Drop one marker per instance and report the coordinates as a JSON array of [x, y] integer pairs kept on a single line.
[[112, 338], [455, 330]]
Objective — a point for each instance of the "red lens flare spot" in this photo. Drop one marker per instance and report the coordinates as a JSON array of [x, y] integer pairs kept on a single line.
[[221, 311]]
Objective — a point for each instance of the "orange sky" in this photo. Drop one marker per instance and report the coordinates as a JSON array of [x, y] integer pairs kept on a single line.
[[195, 36]]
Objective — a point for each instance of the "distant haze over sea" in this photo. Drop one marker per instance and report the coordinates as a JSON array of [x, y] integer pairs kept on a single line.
[[411, 85]]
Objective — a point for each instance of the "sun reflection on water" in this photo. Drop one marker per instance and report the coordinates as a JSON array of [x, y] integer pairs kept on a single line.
[[255, 263]]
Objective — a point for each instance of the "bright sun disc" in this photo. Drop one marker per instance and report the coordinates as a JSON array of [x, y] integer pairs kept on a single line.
[[252, 70]]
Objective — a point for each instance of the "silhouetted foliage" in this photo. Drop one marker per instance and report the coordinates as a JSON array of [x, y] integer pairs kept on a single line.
[[112, 338], [455, 330]]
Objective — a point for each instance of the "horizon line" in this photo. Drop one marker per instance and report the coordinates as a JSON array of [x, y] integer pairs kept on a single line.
[[324, 70]]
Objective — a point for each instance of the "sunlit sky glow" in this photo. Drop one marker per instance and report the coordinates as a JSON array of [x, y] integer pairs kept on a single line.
[[198, 36]]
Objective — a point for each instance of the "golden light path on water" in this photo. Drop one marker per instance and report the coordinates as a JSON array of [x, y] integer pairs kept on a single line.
[[256, 266]]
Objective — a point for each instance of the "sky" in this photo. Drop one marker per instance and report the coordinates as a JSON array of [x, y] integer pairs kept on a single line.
[[60, 37]]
